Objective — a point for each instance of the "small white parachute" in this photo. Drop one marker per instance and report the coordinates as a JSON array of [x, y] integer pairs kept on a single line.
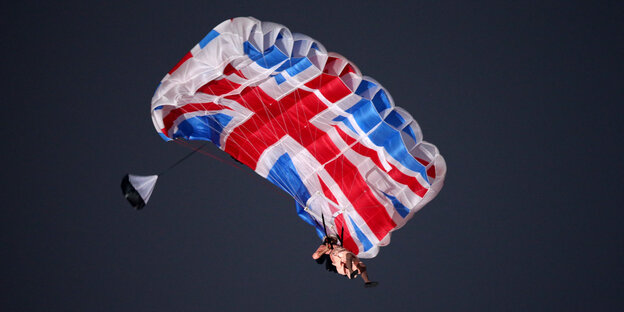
[[138, 189]]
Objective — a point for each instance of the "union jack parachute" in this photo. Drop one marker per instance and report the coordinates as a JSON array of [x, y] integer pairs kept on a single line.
[[309, 122]]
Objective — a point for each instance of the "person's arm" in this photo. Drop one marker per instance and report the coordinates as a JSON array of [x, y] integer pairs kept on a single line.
[[319, 252]]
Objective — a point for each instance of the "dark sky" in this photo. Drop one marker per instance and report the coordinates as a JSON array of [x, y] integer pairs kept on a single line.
[[523, 99]]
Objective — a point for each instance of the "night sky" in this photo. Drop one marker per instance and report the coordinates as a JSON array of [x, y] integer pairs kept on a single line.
[[523, 99]]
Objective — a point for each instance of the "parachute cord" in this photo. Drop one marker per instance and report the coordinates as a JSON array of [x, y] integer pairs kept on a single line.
[[206, 153], [181, 142], [182, 159]]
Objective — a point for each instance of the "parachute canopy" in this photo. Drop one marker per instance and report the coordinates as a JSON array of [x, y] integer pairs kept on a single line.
[[309, 122], [138, 189]]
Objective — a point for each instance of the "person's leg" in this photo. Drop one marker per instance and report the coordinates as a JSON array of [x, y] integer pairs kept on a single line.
[[367, 282], [349, 265], [362, 268]]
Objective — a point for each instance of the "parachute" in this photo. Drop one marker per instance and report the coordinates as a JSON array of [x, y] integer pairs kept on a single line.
[[138, 189], [309, 122]]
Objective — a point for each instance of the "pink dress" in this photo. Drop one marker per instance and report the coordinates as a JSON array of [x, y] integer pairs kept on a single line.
[[338, 256]]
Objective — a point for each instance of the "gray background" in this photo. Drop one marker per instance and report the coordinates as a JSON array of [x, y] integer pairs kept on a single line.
[[522, 98]]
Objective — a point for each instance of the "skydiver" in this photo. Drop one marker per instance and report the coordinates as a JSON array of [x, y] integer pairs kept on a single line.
[[343, 261]]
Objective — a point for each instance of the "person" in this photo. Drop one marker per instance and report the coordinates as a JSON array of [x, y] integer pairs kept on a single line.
[[343, 261]]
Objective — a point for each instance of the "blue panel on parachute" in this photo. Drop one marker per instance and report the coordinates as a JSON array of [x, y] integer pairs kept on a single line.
[[271, 56], [164, 137], [411, 133], [400, 208], [279, 79], [363, 239], [211, 35], [381, 101], [345, 120], [298, 66], [207, 128], [364, 86], [365, 115], [285, 176], [390, 139], [395, 119]]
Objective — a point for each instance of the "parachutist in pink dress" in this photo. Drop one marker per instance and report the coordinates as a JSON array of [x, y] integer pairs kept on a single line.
[[345, 261]]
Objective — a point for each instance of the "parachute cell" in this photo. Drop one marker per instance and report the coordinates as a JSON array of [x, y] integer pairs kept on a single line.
[[309, 122]]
